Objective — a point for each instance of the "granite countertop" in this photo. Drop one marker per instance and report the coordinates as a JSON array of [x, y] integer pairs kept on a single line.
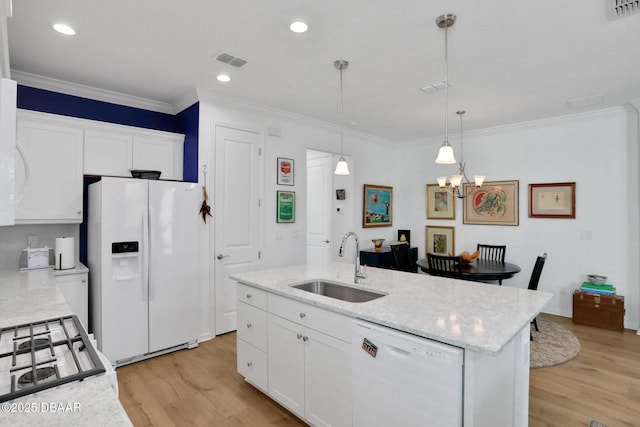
[[28, 296], [475, 316]]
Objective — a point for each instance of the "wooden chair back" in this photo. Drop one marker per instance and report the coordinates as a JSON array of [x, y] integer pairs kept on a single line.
[[444, 265], [401, 258], [492, 252]]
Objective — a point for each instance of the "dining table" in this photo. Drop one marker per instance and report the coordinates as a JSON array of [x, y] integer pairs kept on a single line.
[[481, 270]]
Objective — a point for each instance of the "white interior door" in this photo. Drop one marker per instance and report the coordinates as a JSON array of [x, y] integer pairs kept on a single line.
[[319, 205], [238, 167]]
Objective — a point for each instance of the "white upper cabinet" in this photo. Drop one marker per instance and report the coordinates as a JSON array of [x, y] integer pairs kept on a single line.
[[48, 170], [7, 150], [159, 152], [113, 150], [107, 153]]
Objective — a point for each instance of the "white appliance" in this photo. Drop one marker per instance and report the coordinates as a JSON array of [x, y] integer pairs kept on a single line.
[[143, 267], [402, 379]]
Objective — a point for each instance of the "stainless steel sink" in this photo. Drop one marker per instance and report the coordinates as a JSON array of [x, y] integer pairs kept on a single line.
[[338, 291]]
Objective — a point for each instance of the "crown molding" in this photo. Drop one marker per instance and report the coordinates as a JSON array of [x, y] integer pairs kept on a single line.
[[214, 97], [75, 89], [521, 125]]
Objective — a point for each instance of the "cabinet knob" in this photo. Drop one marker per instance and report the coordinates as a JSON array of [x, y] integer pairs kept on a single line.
[[248, 296], [302, 315], [249, 364], [299, 336], [84, 280], [79, 212], [305, 338], [248, 325]]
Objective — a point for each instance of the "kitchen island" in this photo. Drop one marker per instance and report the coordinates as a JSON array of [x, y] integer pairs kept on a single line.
[[490, 323], [29, 296]]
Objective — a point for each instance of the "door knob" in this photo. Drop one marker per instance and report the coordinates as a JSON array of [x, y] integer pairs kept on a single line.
[[220, 256], [326, 241]]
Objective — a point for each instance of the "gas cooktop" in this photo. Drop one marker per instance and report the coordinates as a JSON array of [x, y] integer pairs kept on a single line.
[[41, 355]]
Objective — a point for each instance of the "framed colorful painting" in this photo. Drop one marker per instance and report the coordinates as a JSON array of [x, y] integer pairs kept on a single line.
[[440, 203], [440, 240], [286, 202], [377, 206], [495, 203], [286, 171], [554, 200]]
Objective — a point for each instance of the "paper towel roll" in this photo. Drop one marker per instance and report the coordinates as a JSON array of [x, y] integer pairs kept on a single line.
[[65, 255]]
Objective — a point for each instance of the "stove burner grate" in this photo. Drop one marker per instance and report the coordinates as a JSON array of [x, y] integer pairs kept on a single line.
[[38, 343], [41, 375]]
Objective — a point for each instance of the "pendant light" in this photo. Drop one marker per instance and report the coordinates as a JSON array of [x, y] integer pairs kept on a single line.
[[341, 167], [445, 154]]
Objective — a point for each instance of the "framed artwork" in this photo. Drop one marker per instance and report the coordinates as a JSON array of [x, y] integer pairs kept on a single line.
[[286, 211], [285, 171], [440, 203], [377, 206], [440, 240], [495, 203], [554, 200], [404, 236], [341, 194]]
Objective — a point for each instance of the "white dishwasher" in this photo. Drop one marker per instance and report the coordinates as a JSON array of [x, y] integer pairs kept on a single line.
[[401, 379]]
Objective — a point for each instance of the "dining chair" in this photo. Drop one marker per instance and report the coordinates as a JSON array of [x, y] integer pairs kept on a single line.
[[533, 284], [445, 265], [402, 259], [492, 253]]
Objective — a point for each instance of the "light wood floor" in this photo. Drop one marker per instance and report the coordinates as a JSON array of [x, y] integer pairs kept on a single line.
[[200, 387]]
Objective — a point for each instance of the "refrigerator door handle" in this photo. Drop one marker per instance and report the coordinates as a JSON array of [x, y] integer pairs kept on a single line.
[[145, 254], [151, 224]]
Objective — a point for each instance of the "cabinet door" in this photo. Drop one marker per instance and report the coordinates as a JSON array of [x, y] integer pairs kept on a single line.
[[107, 153], [163, 154], [286, 363], [48, 173], [327, 380], [75, 288], [7, 151]]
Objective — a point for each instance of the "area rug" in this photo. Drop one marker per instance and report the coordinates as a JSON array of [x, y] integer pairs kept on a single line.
[[552, 345]]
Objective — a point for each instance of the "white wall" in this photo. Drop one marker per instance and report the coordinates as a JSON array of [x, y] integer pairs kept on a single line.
[[597, 150], [13, 239]]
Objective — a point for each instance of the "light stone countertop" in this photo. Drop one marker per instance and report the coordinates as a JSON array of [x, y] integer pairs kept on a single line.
[[475, 316], [29, 296]]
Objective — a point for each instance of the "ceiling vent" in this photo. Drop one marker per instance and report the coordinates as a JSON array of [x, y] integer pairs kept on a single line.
[[434, 87], [227, 58], [622, 8]]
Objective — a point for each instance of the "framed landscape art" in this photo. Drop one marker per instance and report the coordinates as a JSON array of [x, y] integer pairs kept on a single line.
[[440, 240], [440, 203], [554, 200], [495, 203], [377, 206]]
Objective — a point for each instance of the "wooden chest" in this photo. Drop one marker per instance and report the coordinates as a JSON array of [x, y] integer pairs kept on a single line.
[[606, 312]]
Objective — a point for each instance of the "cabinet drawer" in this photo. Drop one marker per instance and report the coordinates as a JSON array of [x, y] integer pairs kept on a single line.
[[252, 325], [252, 364], [325, 321], [252, 296]]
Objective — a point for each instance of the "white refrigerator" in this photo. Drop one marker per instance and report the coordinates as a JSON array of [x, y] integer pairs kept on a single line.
[[143, 266]]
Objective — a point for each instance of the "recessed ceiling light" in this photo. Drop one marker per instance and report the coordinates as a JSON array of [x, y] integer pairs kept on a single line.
[[299, 27], [64, 29], [223, 78]]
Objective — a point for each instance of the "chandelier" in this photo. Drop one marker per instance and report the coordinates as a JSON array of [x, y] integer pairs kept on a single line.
[[445, 154]]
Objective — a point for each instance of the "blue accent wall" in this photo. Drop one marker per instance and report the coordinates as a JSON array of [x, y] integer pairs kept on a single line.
[[186, 122]]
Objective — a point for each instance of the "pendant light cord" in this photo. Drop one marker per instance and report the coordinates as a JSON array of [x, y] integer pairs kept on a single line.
[[446, 86], [341, 116]]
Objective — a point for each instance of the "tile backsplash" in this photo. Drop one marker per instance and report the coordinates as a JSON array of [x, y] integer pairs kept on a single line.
[[13, 239]]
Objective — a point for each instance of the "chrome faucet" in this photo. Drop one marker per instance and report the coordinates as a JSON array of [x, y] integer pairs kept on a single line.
[[359, 272]]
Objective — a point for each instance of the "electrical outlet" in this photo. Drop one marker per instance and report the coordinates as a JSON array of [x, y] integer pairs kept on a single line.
[[33, 241]]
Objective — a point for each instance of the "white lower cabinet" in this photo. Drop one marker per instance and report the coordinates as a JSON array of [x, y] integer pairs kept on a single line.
[[75, 288], [307, 355]]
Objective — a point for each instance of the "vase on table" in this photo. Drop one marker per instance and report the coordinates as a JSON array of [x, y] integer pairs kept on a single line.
[[377, 244]]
